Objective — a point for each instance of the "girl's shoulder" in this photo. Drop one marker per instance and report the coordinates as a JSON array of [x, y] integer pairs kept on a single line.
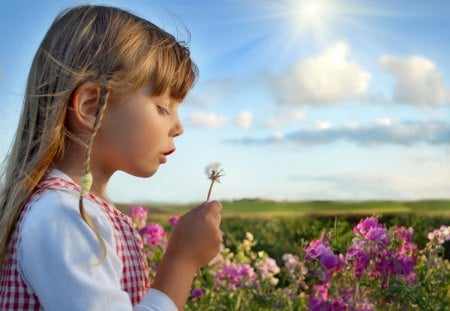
[[51, 205], [55, 212]]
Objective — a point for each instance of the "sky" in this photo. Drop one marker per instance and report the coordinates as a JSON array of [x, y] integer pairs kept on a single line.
[[298, 100]]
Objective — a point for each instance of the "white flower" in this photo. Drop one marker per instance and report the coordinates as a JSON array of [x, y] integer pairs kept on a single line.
[[214, 172]]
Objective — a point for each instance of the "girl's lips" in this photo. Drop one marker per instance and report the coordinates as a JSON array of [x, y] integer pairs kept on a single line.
[[169, 152], [163, 156]]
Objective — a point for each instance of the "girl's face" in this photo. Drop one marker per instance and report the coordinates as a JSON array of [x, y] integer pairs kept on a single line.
[[137, 133]]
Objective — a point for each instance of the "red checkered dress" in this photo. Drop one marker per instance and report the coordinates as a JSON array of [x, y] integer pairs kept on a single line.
[[15, 294]]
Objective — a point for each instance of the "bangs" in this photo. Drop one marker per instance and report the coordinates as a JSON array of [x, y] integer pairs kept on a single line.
[[167, 68]]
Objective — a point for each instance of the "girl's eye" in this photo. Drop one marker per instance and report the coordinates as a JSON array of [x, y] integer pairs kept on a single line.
[[163, 110]]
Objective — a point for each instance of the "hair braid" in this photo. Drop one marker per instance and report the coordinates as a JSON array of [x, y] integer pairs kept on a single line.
[[87, 175]]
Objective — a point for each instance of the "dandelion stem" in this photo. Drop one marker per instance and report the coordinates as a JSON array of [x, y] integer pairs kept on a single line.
[[214, 173], [210, 189]]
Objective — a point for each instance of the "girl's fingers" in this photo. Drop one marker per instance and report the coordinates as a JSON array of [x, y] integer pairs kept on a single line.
[[212, 211]]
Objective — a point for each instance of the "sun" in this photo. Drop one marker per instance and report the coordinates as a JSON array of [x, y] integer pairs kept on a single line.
[[311, 16], [311, 11]]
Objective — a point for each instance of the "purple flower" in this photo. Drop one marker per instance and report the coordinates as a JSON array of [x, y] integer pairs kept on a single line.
[[319, 300], [320, 249], [328, 259], [197, 293], [377, 235], [235, 276], [316, 248], [365, 224], [404, 265], [360, 260], [153, 234]]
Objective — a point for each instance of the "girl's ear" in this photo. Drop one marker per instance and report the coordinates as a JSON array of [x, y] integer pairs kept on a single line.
[[83, 108]]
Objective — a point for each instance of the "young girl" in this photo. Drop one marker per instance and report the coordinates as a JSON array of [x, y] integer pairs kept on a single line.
[[102, 95]]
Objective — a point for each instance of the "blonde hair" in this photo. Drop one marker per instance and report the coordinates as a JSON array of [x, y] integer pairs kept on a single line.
[[119, 51]]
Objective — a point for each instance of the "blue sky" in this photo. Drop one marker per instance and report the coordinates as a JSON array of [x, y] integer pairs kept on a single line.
[[298, 100]]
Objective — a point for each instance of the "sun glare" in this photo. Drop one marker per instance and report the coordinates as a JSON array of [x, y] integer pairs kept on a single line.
[[301, 25], [311, 15], [311, 10], [311, 18]]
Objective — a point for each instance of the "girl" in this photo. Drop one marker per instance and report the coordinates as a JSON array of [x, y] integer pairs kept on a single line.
[[102, 95]]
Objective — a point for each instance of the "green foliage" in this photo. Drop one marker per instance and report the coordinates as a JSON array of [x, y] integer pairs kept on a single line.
[[235, 281], [280, 235]]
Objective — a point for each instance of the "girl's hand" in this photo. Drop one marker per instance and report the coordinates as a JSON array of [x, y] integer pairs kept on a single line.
[[194, 242], [196, 237]]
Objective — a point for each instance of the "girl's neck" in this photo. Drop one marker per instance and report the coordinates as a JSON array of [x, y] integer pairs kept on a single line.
[[72, 165]]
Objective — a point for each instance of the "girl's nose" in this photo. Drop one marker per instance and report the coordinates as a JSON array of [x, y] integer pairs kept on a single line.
[[178, 129]]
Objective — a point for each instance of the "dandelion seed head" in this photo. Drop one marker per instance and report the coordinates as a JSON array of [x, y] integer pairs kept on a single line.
[[214, 171]]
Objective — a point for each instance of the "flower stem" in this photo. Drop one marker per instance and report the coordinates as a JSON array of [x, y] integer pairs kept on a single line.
[[210, 189], [335, 230]]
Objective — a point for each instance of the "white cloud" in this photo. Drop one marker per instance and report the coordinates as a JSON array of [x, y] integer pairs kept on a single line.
[[319, 125], [418, 81], [384, 122], [325, 79], [244, 120], [204, 119], [380, 132], [285, 118]]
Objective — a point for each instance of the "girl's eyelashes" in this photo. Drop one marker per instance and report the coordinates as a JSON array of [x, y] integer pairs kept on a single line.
[[163, 110]]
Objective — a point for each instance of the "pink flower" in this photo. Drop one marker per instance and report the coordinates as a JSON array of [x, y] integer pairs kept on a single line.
[[267, 270], [138, 216], [441, 235], [173, 220], [404, 234], [371, 230], [153, 234], [290, 262]]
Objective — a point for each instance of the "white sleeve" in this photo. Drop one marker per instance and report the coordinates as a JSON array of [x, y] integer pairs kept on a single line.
[[156, 300], [58, 253]]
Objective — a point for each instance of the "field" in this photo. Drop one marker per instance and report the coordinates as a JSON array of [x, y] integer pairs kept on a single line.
[[296, 221], [317, 255], [256, 208]]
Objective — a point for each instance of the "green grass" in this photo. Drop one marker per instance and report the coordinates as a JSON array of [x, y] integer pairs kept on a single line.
[[266, 208]]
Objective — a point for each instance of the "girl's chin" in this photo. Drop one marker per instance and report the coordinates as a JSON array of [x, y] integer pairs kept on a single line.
[[143, 173]]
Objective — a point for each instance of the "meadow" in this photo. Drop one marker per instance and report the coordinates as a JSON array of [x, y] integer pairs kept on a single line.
[[318, 255], [257, 208]]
